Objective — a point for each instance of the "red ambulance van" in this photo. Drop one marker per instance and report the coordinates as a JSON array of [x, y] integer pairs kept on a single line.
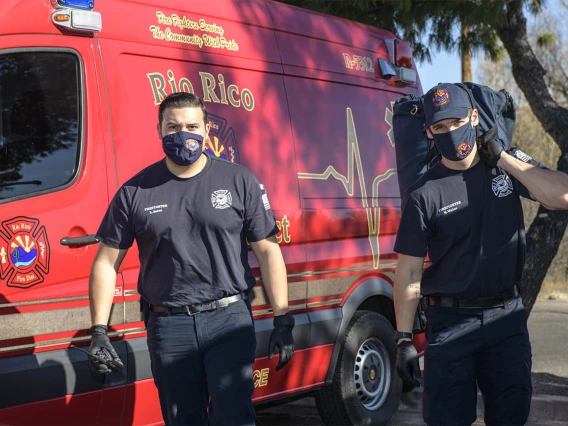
[[302, 99]]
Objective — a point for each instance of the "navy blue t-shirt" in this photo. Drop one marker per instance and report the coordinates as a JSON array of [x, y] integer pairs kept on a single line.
[[191, 233], [471, 225]]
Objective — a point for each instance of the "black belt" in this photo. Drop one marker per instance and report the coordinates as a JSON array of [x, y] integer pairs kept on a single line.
[[200, 307], [485, 302]]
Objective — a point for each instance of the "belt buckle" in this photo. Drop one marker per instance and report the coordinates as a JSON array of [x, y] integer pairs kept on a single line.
[[189, 312]]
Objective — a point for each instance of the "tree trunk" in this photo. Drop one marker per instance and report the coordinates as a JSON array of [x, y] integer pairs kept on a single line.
[[546, 231], [466, 57]]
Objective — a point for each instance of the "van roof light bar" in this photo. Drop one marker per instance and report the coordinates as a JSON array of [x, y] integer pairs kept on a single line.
[[75, 4], [78, 20]]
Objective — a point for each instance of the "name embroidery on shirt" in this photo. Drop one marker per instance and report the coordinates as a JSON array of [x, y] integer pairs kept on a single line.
[[502, 185], [156, 209], [450, 208], [221, 199]]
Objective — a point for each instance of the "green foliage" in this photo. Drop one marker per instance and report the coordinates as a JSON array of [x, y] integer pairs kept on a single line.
[[431, 20], [546, 40]]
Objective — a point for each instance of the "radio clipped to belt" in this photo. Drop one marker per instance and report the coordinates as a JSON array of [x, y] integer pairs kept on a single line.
[[420, 317]]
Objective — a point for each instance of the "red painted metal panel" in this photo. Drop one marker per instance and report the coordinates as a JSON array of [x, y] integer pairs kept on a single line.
[[142, 405], [196, 27], [68, 268], [69, 410]]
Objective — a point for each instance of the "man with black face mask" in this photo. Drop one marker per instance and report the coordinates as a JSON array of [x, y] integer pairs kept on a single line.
[[466, 215], [191, 216]]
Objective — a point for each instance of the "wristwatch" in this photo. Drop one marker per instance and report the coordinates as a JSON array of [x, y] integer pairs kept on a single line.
[[401, 335]]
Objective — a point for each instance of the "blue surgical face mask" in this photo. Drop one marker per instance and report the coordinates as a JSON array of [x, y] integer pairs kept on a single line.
[[183, 148], [457, 144]]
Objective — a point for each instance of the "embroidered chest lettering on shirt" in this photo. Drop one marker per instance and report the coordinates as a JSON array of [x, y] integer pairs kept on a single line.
[[221, 199], [155, 209], [502, 185], [450, 208]]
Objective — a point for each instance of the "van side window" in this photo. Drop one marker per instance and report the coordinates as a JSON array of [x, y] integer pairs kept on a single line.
[[39, 121]]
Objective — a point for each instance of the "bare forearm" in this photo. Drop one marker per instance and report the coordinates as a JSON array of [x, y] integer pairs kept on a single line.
[[101, 292], [406, 297], [274, 278], [548, 187]]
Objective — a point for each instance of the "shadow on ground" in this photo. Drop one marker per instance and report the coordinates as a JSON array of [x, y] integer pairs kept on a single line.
[[549, 384]]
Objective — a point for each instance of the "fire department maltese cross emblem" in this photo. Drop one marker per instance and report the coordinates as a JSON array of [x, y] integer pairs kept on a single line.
[[502, 186], [24, 252], [221, 199]]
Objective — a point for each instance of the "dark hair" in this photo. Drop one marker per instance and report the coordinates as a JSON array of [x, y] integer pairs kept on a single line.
[[181, 100]]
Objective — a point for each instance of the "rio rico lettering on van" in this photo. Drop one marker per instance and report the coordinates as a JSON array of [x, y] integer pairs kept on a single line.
[[214, 89]]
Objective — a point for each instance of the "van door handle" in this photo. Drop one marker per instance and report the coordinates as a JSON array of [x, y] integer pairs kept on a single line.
[[79, 241]]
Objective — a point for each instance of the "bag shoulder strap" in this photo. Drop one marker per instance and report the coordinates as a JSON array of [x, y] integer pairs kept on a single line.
[[469, 94]]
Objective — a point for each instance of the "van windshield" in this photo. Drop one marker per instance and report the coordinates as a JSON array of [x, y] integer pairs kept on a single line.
[[39, 121]]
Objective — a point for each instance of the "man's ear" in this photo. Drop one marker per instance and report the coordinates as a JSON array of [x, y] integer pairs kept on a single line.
[[207, 129], [158, 129], [475, 117], [429, 133]]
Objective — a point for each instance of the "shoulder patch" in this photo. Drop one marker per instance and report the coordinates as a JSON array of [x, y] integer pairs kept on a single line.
[[522, 156], [264, 197]]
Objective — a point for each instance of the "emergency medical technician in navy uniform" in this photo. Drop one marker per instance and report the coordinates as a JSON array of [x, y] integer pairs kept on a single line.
[[191, 216], [466, 214]]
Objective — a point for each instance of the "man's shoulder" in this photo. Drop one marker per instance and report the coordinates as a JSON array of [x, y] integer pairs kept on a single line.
[[147, 175], [428, 181], [229, 168]]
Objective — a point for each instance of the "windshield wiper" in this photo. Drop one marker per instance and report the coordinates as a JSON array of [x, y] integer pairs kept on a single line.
[[24, 182]]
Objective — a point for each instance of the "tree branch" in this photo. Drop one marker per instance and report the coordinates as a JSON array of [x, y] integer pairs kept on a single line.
[[529, 75], [545, 233]]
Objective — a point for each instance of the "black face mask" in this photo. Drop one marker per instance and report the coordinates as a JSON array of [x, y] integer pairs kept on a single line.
[[457, 144], [183, 148]]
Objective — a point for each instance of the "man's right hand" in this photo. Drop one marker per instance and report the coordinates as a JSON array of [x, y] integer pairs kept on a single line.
[[101, 347], [407, 364], [490, 148]]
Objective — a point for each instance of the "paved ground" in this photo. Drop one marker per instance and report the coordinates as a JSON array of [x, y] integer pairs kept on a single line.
[[548, 327]]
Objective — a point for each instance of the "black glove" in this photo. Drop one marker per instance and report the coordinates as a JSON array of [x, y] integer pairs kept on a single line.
[[407, 363], [282, 337], [490, 148], [102, 356]]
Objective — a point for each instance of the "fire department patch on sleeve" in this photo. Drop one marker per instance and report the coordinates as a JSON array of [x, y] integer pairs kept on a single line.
[[265, 197], [522, 156], [24, 252]]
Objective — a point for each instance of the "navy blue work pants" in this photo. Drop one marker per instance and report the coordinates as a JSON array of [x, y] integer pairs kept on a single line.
[[467, 348], [202, 365]]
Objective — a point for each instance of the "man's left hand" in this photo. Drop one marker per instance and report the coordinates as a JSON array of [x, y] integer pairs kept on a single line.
[[282, 337]]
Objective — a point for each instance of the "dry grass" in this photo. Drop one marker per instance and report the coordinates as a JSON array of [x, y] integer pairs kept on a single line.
[[553, 290]]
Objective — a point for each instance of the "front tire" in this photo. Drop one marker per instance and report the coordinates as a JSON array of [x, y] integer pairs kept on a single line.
[[366, 389]]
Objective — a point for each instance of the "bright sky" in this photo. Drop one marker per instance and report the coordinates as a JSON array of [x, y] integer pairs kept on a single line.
[[445, 68]]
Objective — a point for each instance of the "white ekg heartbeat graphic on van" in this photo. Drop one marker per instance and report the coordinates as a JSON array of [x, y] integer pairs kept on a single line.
[[354, 159]]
